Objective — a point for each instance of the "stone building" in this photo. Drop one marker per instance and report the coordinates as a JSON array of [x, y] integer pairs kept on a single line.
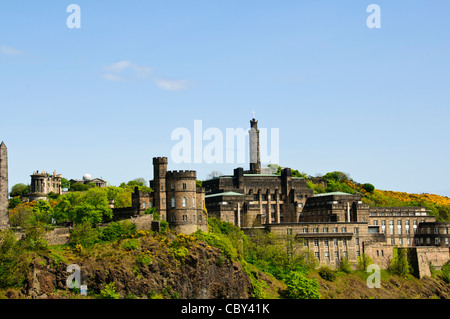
[[43, 183], [4, 190], [175, 196], [87, 178], [332, 225]]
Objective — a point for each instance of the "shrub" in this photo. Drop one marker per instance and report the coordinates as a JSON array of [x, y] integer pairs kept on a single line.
[[116, 230], [131, 244], [368, 187], [344, 265], [34, 238], [446, 272], [14, 260], [327, 274], [84, 234], [300, 287], [399, 264], [109, 292]]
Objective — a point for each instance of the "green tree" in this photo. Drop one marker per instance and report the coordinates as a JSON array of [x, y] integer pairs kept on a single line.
[[368, 187], [19, 190], [65, 184], [399, 264]]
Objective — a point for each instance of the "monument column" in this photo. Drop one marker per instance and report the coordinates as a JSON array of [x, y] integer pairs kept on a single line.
[[4, 198]]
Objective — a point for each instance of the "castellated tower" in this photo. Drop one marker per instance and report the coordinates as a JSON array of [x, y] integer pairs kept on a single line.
[[185, 202], [4, 219], [158, 184]]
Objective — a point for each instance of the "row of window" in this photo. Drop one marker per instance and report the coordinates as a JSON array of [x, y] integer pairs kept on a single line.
[[398, 214], [326, 230], [336, 255], [327, 241], [186, 218], [183, 203]]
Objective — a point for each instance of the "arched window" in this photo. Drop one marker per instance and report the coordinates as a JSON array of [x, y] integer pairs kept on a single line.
[[184, 201], [173, 202]]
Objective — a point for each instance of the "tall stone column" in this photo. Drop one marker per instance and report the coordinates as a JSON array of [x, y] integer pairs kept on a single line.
[[4, 218]]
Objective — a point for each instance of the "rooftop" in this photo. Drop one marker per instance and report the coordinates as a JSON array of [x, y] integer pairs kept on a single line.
[[333, 193], [224, 194]]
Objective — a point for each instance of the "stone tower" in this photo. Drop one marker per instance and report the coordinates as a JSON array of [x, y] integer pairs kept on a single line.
[[4, 218], [158, 184], [185, 202], [255, 162]]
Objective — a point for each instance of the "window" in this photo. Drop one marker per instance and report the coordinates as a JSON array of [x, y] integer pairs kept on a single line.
[[375, 222], [200, 218], [392, 241], [185, 218], [315, 230], [172, 186], [437, 241], [436, 230], [357, 241], [193, 202], [335, 241], [327, 255], [305, 230], [355, 230], [316, 242], [446, 240], [306, 242], [263, 197], [336, 255], [325, 242], [184, 185], [325, 229], [334, 229], [316, 254], [173, 202], [184, 201], [272, 197], [344, 241], [344, 229]]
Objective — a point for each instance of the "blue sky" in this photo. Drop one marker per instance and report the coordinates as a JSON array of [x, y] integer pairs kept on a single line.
[[104, 99]]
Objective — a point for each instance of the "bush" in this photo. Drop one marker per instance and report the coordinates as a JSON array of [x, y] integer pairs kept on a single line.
[[84, 234], [116, 230], [131, 244], [109, 292], [399, 264], [14, 260], [368, 187], [344, 265], [300, 287], [446, 272], [327, 274]]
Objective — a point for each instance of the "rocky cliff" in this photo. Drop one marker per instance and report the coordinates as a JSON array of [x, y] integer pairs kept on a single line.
[[153, 269]]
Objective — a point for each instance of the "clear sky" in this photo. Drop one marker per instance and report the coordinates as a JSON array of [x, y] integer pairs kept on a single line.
[[104, 98]]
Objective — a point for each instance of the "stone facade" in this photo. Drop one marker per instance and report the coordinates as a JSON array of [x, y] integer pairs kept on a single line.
[[433, 234], [4, 190], [332, 225], [252, 200], [175, 196], [43, 183]]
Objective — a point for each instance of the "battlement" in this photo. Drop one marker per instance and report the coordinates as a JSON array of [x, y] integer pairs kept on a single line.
[[181, 174], [160, 160]]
